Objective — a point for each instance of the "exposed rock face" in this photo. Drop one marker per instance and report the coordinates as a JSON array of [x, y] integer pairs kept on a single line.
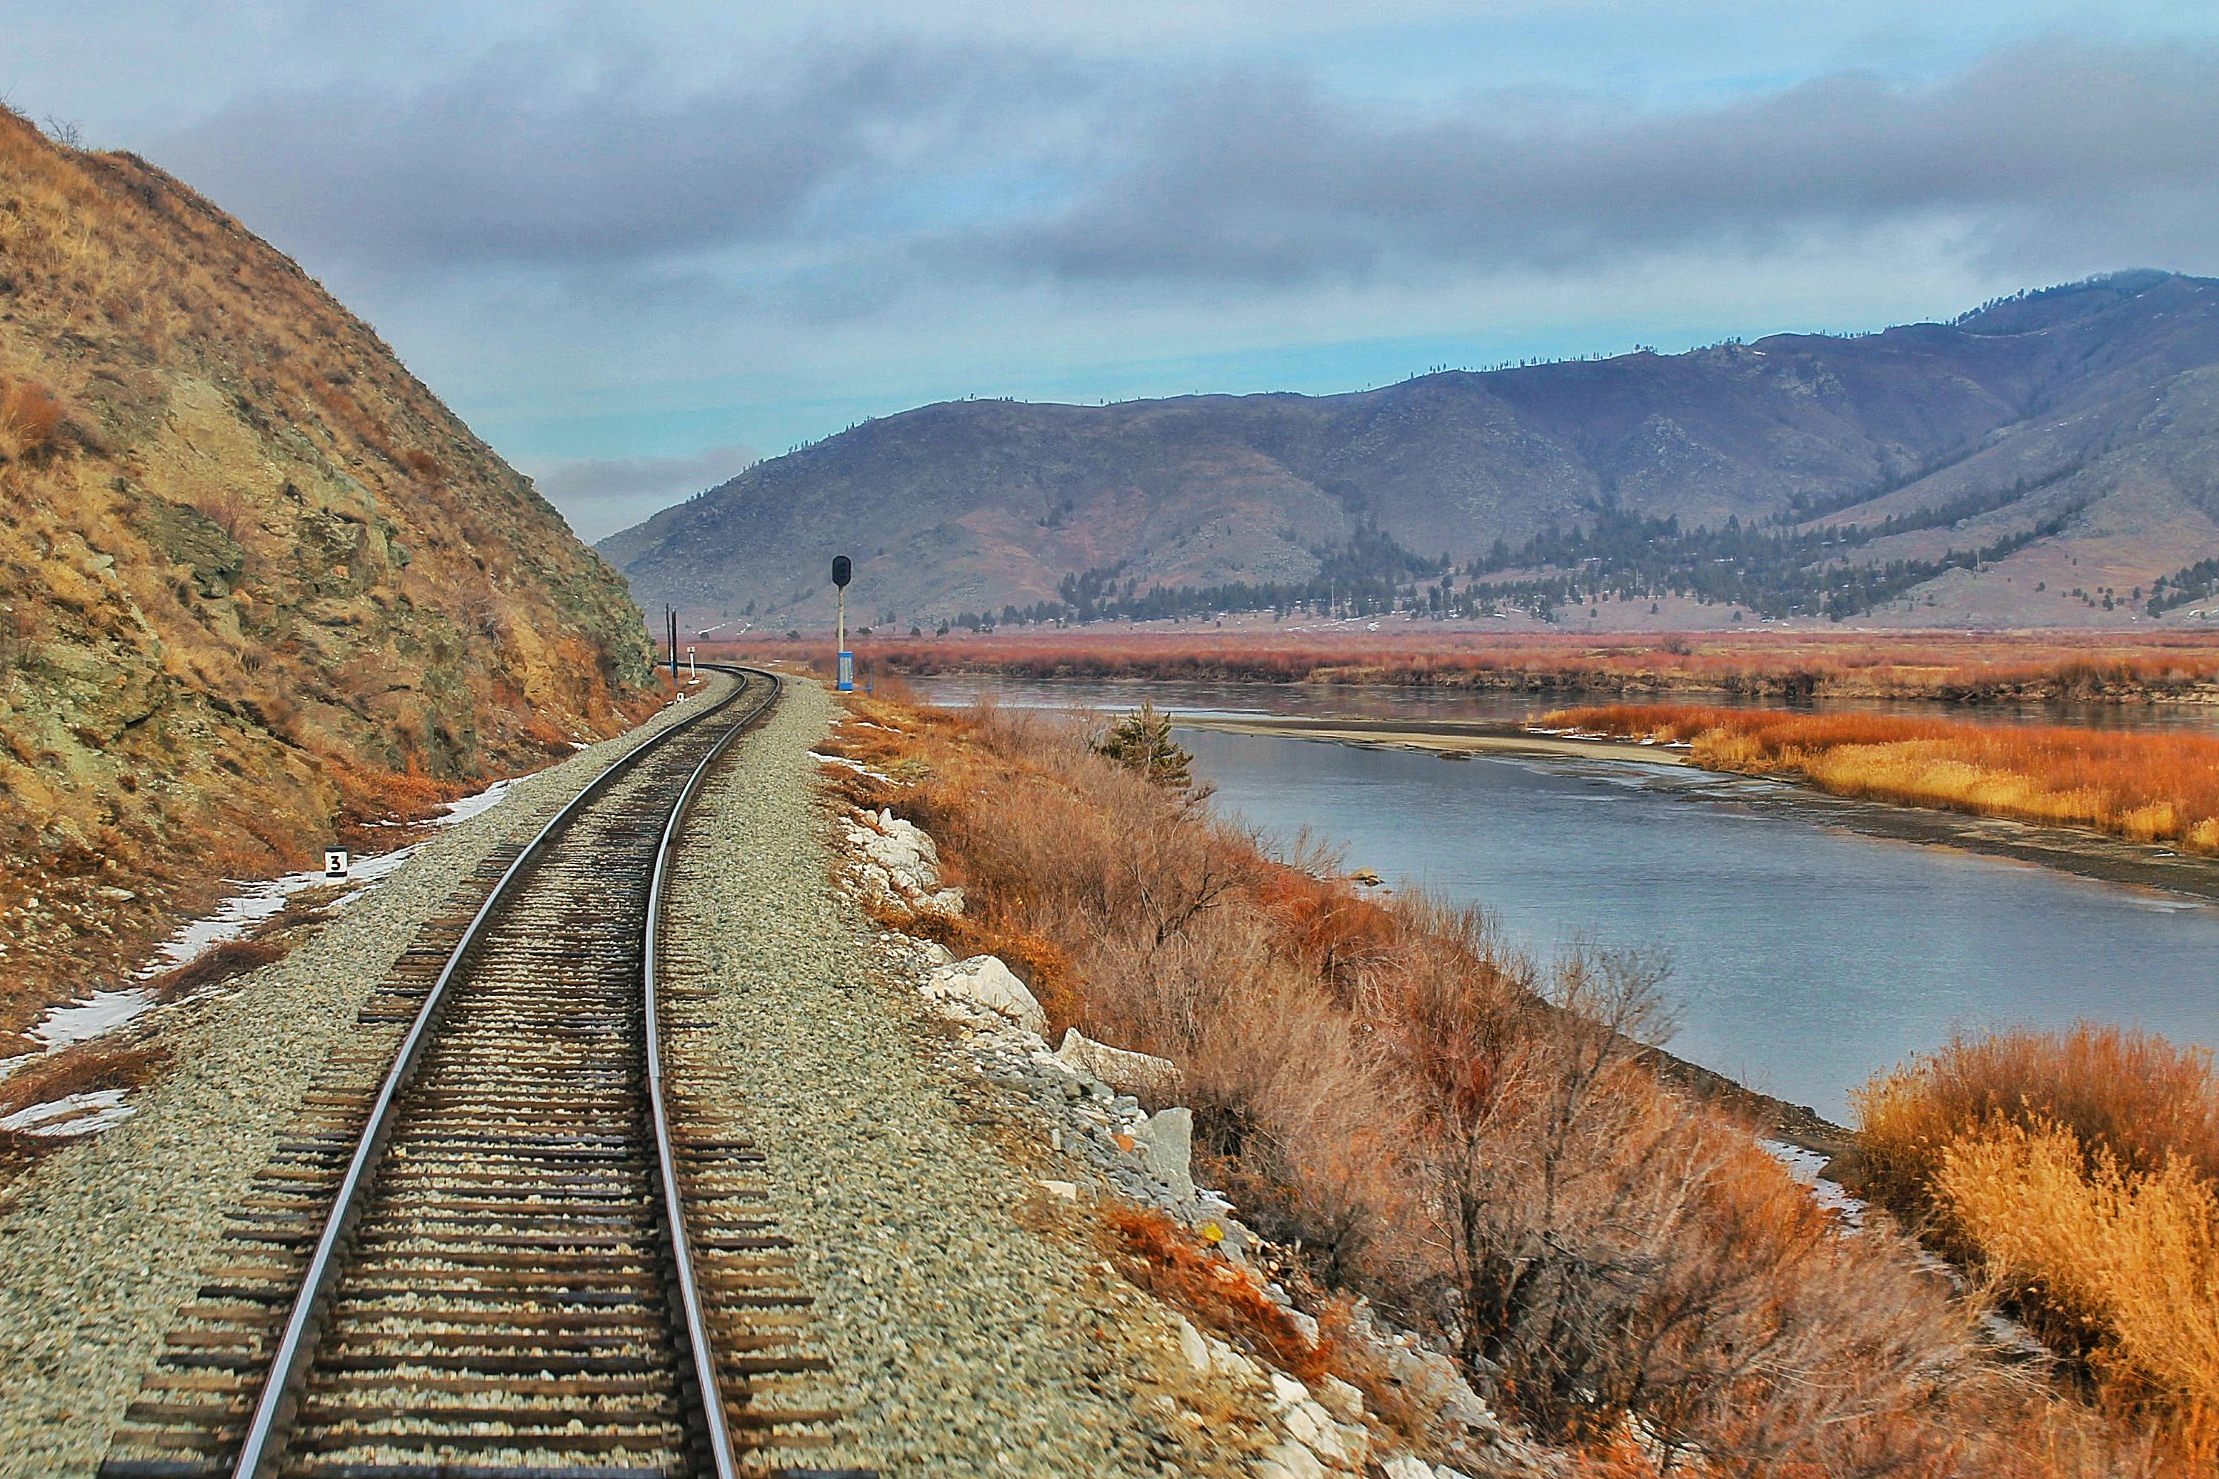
[[254, 577], [899, 866], [983, 981], [2096, 405], [1141, 1074], [1166, 1143]]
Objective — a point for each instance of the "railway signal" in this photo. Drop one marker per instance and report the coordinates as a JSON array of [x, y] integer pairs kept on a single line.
[[843, 570]]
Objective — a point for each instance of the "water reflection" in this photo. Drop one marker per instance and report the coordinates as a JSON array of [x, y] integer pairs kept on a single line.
[[1805, 957], [1328, 700]]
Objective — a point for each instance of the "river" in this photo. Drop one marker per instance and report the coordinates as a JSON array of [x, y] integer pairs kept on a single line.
[[1804, 957]]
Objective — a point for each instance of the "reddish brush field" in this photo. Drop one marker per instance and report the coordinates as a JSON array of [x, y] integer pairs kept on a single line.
[[1962, 668], [1468, 1139], [2149, 787]]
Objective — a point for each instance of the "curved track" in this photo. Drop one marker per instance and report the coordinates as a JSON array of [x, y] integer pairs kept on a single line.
[[528, 1254]]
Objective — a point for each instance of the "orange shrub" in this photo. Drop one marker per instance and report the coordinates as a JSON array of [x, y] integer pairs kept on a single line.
[[2145, 786], [30, 419], [2130, 1093], [2078, 1169]]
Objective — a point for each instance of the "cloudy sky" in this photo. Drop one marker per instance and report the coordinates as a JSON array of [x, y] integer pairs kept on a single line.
[[629, 248]]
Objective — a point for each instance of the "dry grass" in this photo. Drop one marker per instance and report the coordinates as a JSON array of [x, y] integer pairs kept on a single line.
[[80, 1069], [2129, 1260], [1951, 667], [1465, 1137], [1166, 1258], [217, 964], [2148, 787], [2078, 1169], [31, 420]]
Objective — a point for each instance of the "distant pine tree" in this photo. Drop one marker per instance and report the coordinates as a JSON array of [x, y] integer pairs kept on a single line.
[[1141, 742]]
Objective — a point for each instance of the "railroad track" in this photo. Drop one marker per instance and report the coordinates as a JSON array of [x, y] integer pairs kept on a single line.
[[533, 1248]]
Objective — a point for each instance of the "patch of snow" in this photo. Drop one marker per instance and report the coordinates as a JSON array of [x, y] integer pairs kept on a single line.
[[72, 1114], [1804, 1166], [855, 765], [478, 805], [256, 901], [104, 1012]]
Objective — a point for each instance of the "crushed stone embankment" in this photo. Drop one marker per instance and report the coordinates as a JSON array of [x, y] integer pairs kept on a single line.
[[103, 1241], [966, 1336]]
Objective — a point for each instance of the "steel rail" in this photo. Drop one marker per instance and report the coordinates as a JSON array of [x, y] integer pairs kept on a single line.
[[693, 1318], [261, 1448]]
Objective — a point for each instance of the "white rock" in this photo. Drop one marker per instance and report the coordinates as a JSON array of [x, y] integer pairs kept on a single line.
[[1231, 1364], [1167, 1147], [901, 851], [983, 981], [1286, 1391], [1433, 1381], [1313, 1427], [1289, 1460], [1192, 1345], [1402, 1466], [1066, 1190], [1338, 1397], [1142, 1074]]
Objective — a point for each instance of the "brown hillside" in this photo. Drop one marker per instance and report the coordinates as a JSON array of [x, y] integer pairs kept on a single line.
[[254, 578], [2062, 444]]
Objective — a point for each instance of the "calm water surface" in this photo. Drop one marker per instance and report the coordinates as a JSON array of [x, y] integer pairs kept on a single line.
[[1804, 957]]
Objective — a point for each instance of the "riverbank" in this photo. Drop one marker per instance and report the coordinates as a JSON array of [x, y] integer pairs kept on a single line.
[[1769, 663], [2082, 851], [1389, 1087]]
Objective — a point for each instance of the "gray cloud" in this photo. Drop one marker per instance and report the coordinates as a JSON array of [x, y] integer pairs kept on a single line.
[[835, 188], [600, 495], [1273, 181], [583, 154]]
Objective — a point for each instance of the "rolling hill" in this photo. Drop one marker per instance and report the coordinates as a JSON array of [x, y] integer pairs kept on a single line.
[[2050, 458], [257, 579]]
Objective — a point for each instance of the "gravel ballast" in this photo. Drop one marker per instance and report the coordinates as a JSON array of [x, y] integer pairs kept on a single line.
[[103, 1241], [970, 1325]]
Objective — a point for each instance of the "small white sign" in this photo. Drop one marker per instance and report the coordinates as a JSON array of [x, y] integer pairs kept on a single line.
[[336, 862]]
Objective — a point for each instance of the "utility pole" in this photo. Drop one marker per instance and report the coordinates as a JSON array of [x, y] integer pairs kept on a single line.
[[842, 571]]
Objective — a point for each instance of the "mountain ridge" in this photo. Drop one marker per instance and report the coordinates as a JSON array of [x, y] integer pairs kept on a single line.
[[2097, 391]]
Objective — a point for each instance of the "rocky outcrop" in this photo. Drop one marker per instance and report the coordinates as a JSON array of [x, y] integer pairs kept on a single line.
[[897, 866], [983, 982], [1143, 1075], [254, 578]]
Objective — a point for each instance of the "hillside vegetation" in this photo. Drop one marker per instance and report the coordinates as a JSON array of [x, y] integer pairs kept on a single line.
[[254, 578], [2045, 460], [1471, 1139]]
